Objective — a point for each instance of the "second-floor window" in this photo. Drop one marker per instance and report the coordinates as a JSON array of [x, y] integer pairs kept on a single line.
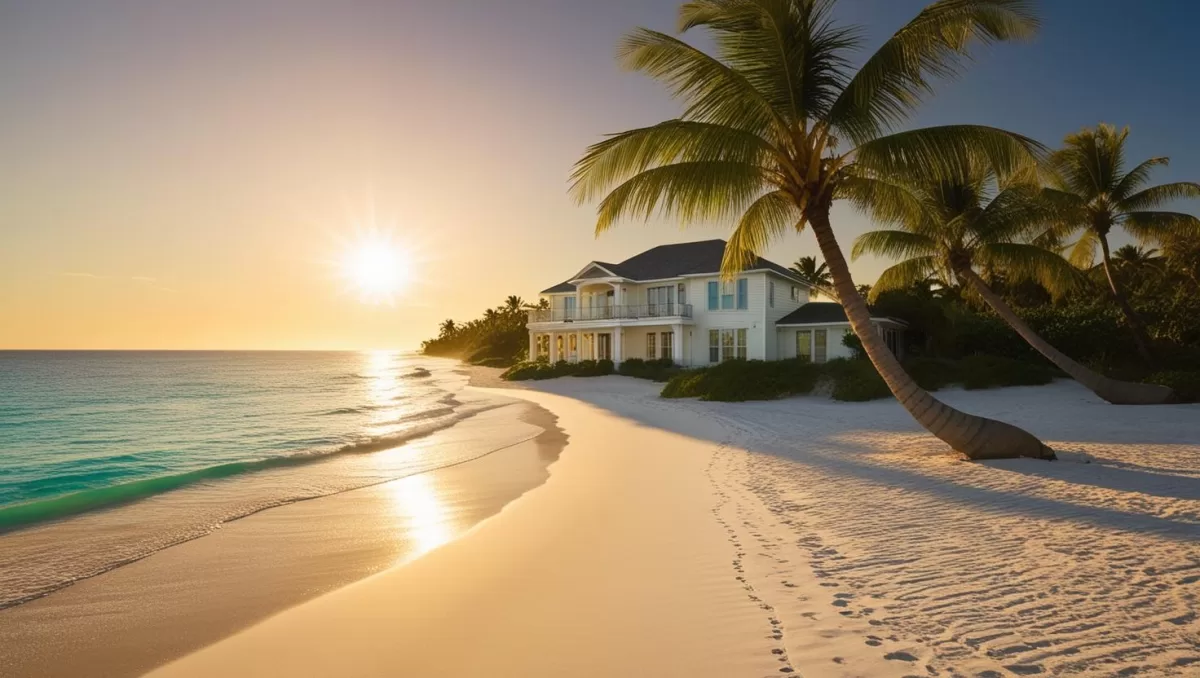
[[795, 293], [728, 294], [771, 293], [659, 300]]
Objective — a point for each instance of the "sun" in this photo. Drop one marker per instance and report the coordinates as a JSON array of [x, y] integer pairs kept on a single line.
[[377, 268]]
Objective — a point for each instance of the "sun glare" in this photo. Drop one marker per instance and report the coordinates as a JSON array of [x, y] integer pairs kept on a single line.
[[377, 268]]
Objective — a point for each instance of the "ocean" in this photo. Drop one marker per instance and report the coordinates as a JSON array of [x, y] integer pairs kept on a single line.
[[107, 457]]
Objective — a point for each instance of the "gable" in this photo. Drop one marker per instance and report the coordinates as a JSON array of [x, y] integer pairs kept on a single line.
[[593, 272]]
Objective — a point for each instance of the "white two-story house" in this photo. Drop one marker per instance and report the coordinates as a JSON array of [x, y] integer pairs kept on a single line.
[[670, 302]]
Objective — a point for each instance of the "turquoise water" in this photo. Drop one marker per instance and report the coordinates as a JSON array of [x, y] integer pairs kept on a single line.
[[106, 457]]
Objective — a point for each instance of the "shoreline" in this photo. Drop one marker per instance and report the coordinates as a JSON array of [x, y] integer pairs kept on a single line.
[[792, 536], [194, 593]]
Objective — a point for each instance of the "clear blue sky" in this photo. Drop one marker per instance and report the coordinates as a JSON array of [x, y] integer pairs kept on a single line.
[[177, 174]]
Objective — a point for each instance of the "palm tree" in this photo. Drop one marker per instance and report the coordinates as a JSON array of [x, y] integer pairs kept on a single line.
[[1095, 195], [778, 126], [947, 228], [448, 327], [817, 275], [513, 303]]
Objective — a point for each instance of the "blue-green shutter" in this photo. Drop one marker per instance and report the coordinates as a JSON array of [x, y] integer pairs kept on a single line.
[[743, 302], [714, 293]]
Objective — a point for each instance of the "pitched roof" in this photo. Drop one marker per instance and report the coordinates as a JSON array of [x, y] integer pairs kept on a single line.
[[672, 261], [822, 312]]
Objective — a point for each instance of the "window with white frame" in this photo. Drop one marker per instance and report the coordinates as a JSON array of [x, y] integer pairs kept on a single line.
[[804, 345], [820, 349], [668, 345], [771, 293], [726, 345], [728, 295], [651, 349], [795, 293]]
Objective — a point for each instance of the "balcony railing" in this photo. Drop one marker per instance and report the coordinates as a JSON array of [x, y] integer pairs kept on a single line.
[[547, 315]]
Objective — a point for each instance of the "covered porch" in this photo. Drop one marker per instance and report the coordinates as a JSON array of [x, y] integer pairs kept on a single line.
[[614, 342]]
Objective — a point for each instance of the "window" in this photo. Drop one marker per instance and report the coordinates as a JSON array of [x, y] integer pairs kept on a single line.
[[573, 346], [728, 295], [727, 289], [771, 293], [804, 345], [651, 349], [819, 350], [681, 294], [543, 345], [659, 300], [795, 293], [668, 345], [726, 345], [569, 308]]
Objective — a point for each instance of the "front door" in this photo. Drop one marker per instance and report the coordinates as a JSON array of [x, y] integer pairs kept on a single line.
[[604, 346]]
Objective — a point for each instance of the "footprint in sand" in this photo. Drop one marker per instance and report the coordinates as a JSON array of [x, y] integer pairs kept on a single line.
[[874, 641], [900, 656]]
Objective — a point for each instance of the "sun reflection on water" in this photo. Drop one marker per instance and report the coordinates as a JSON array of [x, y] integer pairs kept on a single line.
[[420, 510]]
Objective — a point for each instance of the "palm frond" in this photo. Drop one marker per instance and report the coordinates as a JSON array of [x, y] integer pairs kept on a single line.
[[713, 91], [623, 155], [893, 245], [1090, 162], [1158, 226], [1082, 253], [894, 81], [886, 202], [766, 219], [690, 191], [1015, 212], [1137, 177], [902, 275], [789, 51], [1155, 196], [1023, 261], [949, 153]]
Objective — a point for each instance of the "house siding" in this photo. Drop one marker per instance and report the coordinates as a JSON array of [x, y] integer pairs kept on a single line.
[[783, 306]]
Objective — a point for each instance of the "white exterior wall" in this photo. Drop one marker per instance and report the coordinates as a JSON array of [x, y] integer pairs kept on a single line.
[[834, 347], [783, 306], [752, 319]]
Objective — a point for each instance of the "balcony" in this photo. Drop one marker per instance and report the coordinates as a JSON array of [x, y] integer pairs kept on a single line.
[[641, 312]]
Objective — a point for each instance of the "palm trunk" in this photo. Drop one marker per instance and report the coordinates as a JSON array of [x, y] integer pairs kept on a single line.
[[975, 437], [1140, 336], [1115, 392]]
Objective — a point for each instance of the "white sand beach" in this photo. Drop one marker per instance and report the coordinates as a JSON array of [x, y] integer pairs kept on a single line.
[[683, 538]]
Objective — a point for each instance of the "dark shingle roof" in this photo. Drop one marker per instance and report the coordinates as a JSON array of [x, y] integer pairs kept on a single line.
[[672, 261], [818, 312]]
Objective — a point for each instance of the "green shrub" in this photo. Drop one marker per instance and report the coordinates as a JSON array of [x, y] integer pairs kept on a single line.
[[932, 374], [522, 371], [987, 371], [855, 380], [605, 367], [687, 384], [656, 370], [1185, 384]]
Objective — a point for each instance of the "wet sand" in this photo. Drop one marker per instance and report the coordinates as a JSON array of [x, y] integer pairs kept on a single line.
[[134, 618]]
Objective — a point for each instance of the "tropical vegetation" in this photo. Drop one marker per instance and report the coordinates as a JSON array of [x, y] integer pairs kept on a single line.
[[777, 126], [498, 338], [947, 229]]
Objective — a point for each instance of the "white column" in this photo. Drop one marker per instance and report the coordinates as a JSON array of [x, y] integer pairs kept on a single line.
[[532, 345], [553, 347], [677, 344], [579, 345], [616, 345]]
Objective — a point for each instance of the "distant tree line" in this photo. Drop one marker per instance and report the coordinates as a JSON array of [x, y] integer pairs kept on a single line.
[[498, 338]]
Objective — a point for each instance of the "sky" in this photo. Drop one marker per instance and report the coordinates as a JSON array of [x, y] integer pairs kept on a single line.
[[188, 175]]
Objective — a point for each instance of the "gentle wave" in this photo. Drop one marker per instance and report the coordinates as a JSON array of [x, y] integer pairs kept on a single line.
[[76, 503]]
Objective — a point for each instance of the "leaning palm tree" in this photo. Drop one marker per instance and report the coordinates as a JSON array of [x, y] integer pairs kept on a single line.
[[816, 274], [947, 228], [777, 126], [1096, 195]]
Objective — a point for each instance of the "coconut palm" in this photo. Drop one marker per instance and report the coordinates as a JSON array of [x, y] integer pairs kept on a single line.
[[1095, 195], [777, 126], [448, 328], [816, 274], [945, 229], [513, 303]]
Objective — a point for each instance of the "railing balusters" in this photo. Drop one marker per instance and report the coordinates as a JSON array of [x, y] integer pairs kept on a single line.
[[628, 312]]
